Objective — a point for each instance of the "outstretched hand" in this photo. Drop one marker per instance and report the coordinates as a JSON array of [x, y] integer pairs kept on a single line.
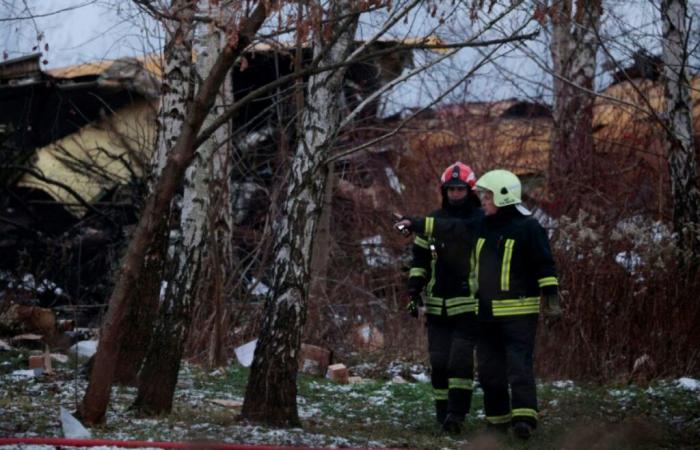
[[401, 224]]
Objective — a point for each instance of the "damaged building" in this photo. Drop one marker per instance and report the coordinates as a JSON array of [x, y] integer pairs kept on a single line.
[[75, 148], [76, 145]]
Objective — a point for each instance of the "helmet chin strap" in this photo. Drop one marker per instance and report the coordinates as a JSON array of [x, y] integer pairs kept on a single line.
[[459, 202]]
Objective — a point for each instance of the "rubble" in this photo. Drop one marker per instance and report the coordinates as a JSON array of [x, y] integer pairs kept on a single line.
[[313, 360], [245, 353], [16, 318], [338, 373], [42, 361], [233, 404], [367, 337]]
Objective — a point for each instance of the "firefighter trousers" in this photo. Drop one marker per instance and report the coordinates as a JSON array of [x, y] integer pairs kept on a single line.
[[451, 342], [505, 350]]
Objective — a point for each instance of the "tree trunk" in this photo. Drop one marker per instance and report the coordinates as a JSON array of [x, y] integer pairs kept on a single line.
[[574, 46], [321, 249], [190, 257], [92, 409], [682, 161], [212, 314], [271, 391], [176, 94]]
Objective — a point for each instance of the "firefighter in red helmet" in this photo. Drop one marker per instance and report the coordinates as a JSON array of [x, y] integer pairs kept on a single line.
[[441, 270]]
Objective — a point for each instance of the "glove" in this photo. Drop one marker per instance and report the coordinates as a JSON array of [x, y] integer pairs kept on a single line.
[[401, 224], [414, 304], [551, 307]]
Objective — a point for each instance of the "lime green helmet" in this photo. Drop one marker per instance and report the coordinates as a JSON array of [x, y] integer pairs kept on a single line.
[[504, 185]]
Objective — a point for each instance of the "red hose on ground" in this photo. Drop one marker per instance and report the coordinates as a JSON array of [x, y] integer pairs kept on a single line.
[[135, 444]]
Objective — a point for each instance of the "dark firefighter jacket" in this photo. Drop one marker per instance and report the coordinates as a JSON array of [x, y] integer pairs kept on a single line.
[[443, 267], [512, 259]]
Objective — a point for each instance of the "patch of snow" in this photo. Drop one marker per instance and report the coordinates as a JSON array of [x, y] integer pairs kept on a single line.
[[163, 289], [563, 384], [689, 384], [547, 221], [629, 260], [23, 374]]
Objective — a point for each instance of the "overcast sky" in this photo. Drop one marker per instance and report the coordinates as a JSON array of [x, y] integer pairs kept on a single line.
[[78, 31]]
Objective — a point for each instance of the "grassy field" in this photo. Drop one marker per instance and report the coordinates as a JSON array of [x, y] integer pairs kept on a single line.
[[374, 413]]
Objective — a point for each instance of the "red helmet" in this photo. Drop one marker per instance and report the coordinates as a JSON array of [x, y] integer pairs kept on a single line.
[[458, 174]]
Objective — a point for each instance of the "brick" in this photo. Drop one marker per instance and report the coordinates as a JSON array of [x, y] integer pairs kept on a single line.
[[338, 373]]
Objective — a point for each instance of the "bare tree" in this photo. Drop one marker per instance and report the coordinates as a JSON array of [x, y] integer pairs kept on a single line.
[[239, 36], [195, 267], [574, 47], [271, 390], [682, 160], [177, 92]]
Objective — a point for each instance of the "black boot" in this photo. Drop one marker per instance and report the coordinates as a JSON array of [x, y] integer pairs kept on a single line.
[[522, 429], [452, 424], [440, 411]]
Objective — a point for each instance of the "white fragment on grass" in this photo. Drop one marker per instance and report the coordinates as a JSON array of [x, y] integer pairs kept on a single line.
[[23, 374], [689, 384], [84, 349], [72, 428], [244, 353], [420, 377]]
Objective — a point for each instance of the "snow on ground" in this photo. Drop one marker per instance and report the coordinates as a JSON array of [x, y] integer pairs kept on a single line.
[[42, 398], [688, 383]]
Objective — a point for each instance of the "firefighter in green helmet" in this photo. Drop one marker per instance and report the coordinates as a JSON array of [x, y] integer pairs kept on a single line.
[[441, 269], [516, 278]]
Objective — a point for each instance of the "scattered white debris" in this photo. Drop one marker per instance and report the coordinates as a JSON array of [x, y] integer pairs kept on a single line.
[[689, 384], [72, 428], [394, 181], [59, 357], [84, 349], [374, 251], [563, 384], [25, 373], [258, 288], [245, 353], [629, 260], [398, 379], [420, 377]]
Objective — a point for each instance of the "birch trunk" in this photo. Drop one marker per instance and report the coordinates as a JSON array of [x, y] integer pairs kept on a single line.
[[94, 406], [188, 264], [176, 93], [573, 47], [271, 391], [682, 160], [212, 314]]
